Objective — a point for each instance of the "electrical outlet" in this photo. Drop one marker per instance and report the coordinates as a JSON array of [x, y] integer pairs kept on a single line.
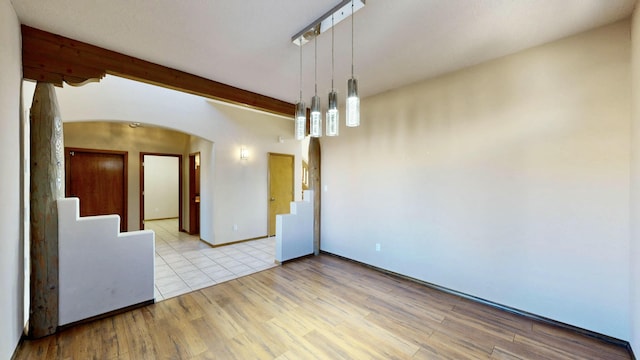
[[235, 227], [378, 247]]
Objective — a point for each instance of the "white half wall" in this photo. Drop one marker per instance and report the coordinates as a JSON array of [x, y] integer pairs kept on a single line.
[[161, 187], [508, 181], [101, 269], [11, 242], [294, 231]]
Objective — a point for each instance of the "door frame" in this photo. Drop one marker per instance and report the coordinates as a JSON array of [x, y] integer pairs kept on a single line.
[[192, 182], [179, 156], [67, 181], [293, 185]]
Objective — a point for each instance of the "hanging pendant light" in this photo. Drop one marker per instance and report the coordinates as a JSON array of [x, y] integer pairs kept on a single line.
[[333, 124], [316, 114], [301, 110], [312, 31], [353, 101], [301, 121]]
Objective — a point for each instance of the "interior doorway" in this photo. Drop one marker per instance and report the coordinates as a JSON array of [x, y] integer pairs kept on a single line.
[[194, 193], [160, 187], [280, 178], [99, 179]]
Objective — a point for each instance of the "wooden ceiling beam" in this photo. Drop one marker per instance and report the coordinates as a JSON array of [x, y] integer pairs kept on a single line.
[[56, 59]]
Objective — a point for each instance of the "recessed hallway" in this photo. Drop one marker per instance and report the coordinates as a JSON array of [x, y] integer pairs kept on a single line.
[[184, 263]]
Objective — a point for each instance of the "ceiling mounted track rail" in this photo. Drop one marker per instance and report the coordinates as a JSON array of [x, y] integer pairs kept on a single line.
[[324, 23]]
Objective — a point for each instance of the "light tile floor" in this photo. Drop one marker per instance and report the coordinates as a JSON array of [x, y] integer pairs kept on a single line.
[[184, 263]]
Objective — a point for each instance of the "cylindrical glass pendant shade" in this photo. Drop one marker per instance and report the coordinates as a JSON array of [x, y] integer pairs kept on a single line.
[[301, 121], [353, 103], [316, 117], [333, 123]]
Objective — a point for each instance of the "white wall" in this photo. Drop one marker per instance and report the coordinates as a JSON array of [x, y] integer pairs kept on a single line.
[[11, 252], [161, 187], [207, 169], [634, 254], [112, 271], [508, 181], [237, 188]]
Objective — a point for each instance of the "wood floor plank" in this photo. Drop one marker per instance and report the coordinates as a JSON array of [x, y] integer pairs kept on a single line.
[[36, 350], [256, 343], [584, 345], [473, 325], [462, 333], [440, 346], [299, 354], [135, 332], [259, 292], [224, 325], [541, 350], [391, 307], [318, 318], [282, 283], [416, 332], [321, 307], [553, 348], [386, 343], [502, 354], [296, 322], [492, 315], [236, 303], [330, 345], [214, 340], [431, 298]]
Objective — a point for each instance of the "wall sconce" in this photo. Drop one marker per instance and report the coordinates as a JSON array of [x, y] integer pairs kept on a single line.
[[244, 153]]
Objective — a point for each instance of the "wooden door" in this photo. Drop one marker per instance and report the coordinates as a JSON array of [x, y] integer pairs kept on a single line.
[[194, 193], [280, 187], [99, 179]]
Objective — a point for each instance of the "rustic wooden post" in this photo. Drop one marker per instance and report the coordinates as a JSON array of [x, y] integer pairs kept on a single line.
[[314, 184], [47, 185]]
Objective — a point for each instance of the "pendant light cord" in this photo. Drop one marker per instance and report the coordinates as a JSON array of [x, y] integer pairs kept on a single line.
[[332, 56], [352, 38], [301, 69], [315, 64]]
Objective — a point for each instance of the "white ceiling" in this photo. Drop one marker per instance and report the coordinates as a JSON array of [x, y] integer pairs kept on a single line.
[[246, 43]]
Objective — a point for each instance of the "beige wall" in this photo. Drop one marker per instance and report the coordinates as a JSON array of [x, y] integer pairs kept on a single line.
[[508, 181], [121, 137], [11, 242], [634, 254]]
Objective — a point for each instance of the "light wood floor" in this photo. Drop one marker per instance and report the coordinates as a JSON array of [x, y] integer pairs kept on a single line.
[[317, 308]]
